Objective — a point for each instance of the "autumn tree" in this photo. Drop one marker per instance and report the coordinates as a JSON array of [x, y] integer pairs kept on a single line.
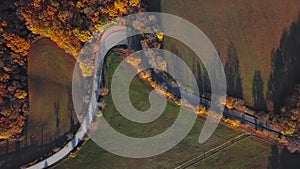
[[15, 41], [71, 23], [17, 44]]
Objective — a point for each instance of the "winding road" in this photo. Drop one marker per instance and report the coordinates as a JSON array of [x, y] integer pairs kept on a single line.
[[115, 33], [107, 42]]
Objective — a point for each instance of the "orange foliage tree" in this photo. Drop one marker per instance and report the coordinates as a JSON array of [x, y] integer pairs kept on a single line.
[[71, 23], [17, 44]]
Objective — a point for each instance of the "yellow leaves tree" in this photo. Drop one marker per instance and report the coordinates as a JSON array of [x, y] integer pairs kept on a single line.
[[134, 3], [20, 94], [87, 69], [134, 61], [51, 10], [83, 36], [121, 6], [71, 24], [11, 127], [79, 4], [160, 36], [55, 20], [17, 43], [36, 4]]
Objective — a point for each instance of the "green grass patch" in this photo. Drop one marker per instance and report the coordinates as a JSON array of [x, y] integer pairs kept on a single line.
[[246, 154], [93, 157]]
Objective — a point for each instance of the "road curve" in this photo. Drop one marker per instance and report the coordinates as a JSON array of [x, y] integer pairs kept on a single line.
[[114, 33], [106, 41]]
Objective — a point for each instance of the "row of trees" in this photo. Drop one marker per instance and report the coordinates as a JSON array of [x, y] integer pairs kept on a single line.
[[283, 86], [283, 106], [15, 41]]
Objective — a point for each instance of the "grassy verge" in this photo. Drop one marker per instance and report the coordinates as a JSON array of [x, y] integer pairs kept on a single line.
[[91, 156], [247, 154]]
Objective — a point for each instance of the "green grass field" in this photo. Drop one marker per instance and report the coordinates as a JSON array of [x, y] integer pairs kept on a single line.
[[254, 28], [93, 157], [248, 153]]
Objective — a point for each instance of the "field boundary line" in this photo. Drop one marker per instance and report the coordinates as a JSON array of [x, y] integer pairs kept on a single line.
[[213, 151]]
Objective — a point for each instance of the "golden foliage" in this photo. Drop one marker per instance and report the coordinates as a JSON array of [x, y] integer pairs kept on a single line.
[[201, 110], [289, 128], [134, 61], [13, 130], [11, 126], [20, 94], [234, 123], [37, 4], [83, 36], [55, 19], [134, 2], [63, 15], [121, 6], [51, 10], [79, 4], [160, 36], [73, 155], [228, 102], [87, 69], [7, 69], [4, 77], [145, 75], [17, 43]]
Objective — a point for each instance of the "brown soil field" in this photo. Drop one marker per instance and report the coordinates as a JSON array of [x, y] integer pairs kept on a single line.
[[41, 65], [254, 27]]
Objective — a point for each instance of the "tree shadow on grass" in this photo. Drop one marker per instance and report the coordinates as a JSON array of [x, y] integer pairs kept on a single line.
[[285, 63], [258, 92], [153, 5], [283, 159], [232, 71]]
